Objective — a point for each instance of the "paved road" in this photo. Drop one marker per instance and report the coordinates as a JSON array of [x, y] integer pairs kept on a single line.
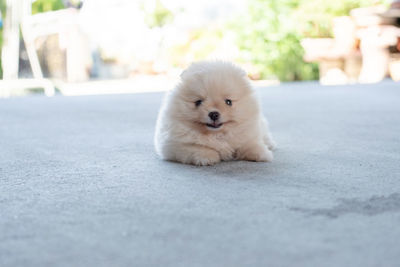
[[80, 185]]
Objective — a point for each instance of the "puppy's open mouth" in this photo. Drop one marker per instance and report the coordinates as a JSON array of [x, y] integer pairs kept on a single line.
[[214, 125]]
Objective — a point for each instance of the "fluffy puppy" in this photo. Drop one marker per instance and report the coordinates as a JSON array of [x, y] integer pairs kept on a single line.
[[212, 115]]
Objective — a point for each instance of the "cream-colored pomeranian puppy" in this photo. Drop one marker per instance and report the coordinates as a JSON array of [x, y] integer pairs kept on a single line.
[[212, 115]]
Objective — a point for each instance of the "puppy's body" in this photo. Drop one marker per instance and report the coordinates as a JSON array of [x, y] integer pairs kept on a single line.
[[212, 115]]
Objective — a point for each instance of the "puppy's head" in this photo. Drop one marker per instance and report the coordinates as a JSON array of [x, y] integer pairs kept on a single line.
[[214, 96]]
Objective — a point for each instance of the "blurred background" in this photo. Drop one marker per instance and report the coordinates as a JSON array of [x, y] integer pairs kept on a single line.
[[77, 47]]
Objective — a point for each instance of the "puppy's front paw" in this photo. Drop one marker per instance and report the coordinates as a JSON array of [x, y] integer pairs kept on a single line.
[[205, 157], [271, 145], [257, 153]]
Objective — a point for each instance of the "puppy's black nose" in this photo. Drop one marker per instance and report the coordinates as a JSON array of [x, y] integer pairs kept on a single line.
[[214, 115]]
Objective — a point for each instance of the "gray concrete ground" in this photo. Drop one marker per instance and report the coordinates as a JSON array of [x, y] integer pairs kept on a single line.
[[80, 185]]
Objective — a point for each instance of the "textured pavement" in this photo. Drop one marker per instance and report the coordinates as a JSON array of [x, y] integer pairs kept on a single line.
[[80, 185]]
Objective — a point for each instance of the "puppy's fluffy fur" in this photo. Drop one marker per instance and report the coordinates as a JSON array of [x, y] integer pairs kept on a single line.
[[187, 132]]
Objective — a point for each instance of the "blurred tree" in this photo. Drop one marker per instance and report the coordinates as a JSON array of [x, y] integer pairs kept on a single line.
[[199, 45], [46, 5], [267, 38], [159, 16], [315, 17], [269, 34]]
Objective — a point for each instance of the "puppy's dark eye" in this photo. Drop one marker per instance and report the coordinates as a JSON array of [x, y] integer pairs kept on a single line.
[[228, 102], [198, 103]]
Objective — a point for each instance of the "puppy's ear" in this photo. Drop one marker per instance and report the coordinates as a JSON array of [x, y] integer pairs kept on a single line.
[[190, 74], [183, 74], [240, 71]]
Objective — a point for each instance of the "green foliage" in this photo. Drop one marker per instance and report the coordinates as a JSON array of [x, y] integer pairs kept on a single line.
[[199, 45], [267, 38], [46, 5], [315, 17], [269, 34], [159, 16]]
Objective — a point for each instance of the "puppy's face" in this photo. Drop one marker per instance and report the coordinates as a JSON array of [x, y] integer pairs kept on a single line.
[[215, 96]]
